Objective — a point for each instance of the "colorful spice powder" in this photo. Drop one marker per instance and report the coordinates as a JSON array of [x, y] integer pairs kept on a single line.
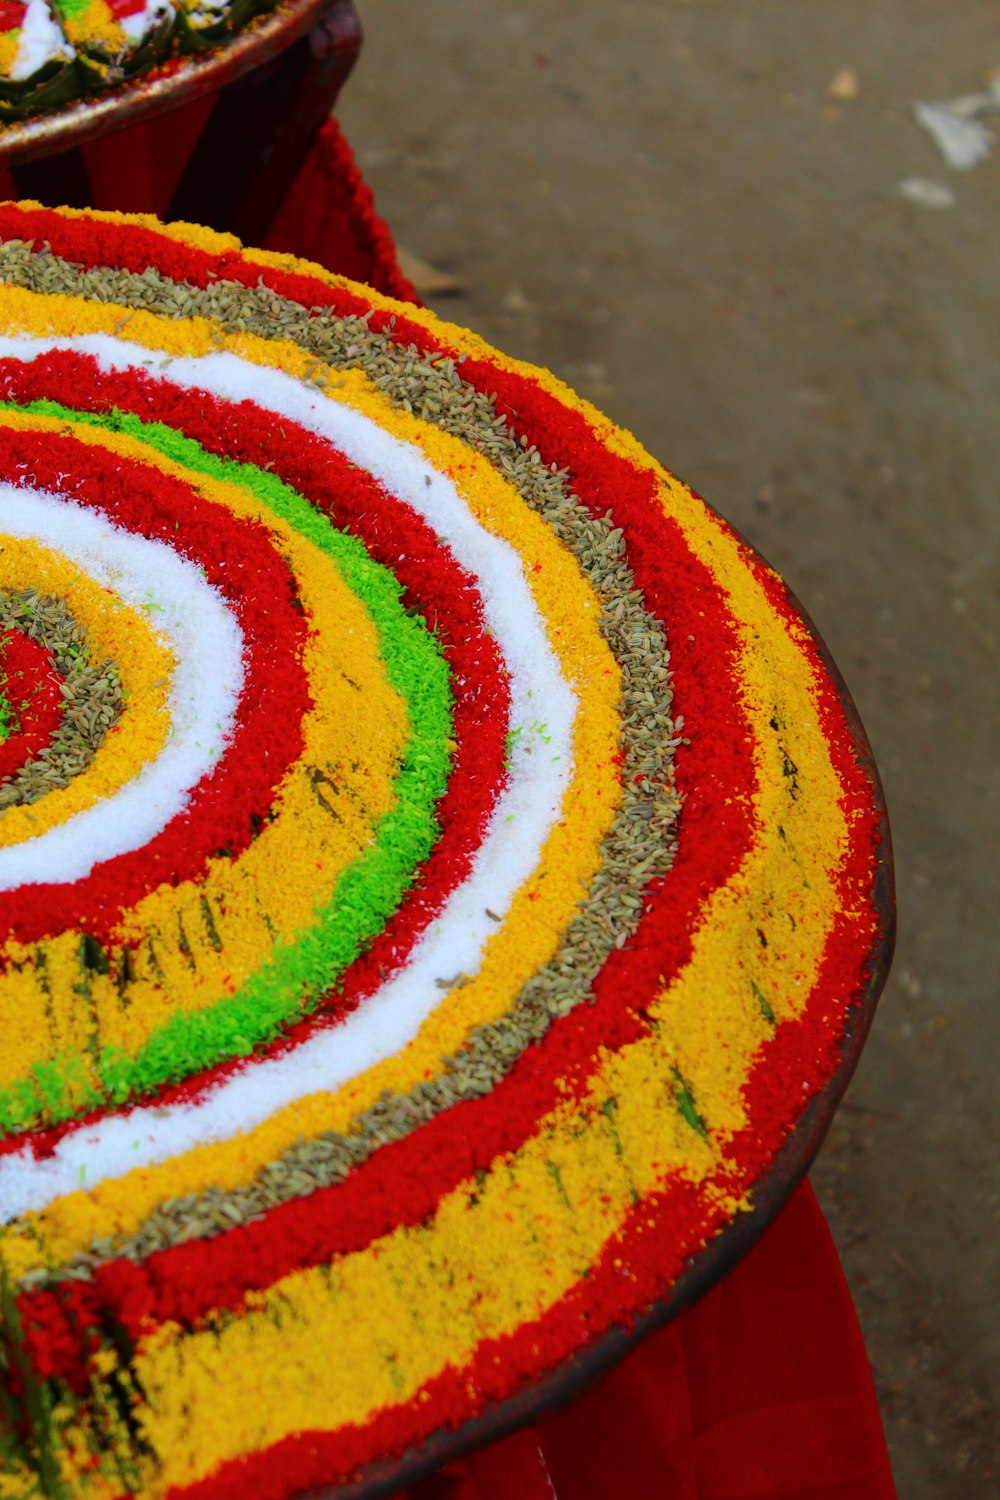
[[491, 650]]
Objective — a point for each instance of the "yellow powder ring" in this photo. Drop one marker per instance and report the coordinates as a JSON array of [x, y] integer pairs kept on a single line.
[[771, 932]]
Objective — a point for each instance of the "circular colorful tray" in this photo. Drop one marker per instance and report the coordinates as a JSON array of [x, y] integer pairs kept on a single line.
[[35, 129], [445, 885], [89, 67]]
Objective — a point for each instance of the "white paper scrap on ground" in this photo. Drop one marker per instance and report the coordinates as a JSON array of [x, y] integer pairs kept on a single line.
[[956, 128], [927, 192]]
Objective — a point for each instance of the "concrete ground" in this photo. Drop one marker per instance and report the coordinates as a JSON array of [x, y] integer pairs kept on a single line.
[[690, 210]]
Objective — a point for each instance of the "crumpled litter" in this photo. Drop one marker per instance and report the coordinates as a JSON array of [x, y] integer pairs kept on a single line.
[[927, 192], [956, 128]]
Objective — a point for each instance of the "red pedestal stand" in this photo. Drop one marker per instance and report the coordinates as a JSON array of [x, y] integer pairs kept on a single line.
[[760, 1392]]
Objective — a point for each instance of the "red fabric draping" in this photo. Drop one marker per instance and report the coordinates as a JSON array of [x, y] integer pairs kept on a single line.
[[328, 214], [760, 1392]]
